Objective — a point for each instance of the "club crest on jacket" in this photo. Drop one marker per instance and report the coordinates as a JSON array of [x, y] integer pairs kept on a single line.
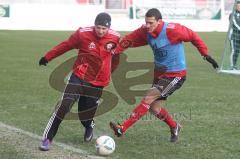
[[110, 46]]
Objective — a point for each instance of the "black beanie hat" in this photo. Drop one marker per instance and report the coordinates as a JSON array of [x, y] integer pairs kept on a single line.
[[103, 19]]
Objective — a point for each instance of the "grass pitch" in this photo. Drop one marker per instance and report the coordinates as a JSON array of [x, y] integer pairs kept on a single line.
[[207, 105]]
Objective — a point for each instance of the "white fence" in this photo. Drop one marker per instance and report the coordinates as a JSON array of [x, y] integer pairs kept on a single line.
[[61, 16]]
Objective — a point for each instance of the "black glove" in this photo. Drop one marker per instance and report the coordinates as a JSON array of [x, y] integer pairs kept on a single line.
[[211, 61], [43, 61]]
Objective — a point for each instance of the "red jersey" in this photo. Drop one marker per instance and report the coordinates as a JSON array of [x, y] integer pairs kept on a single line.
[[94, 61], [176, 33]]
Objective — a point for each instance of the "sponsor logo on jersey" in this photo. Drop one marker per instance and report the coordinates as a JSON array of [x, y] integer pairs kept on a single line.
[[92, 45]]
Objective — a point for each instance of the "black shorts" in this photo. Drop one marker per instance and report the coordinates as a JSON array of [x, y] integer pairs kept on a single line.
[[168, 85], [79, 90]]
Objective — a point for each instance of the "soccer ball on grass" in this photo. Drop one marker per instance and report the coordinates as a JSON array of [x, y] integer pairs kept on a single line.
[[105, 145]]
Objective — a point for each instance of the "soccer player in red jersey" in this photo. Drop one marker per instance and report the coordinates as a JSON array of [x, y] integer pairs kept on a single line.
[[90, 73], [166, 41]]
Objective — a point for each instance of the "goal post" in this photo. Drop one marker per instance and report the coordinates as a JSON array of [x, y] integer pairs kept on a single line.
[[230, 62]]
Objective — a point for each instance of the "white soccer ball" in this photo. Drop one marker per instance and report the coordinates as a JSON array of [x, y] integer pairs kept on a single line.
[[105, 145]]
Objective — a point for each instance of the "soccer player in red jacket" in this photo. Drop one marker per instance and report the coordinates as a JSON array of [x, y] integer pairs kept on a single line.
[[90, 73], [166, 41]]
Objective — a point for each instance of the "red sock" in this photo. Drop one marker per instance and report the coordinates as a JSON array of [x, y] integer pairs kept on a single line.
[[138, 112], [166, 117]]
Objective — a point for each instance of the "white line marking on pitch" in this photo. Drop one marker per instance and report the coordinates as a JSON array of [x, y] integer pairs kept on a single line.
[[59, 144]]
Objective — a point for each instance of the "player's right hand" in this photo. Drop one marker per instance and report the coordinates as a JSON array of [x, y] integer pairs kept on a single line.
[[43, 61]]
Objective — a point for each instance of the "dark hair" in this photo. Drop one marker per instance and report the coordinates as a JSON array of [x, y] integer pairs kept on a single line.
[[103, 19], [154, 12]]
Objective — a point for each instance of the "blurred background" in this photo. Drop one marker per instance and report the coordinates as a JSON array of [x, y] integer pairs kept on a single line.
[[200, 15]]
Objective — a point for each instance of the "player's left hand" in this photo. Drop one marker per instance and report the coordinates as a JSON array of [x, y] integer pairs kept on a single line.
[[211, 61]]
